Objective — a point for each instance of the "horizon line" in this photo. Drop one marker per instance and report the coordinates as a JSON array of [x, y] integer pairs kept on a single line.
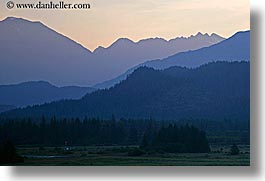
[[127, 38]]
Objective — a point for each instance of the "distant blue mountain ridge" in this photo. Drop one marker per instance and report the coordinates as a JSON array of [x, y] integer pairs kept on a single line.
[[214, 91], [31, 51], [208, 83], [235, 48], [38, 92]]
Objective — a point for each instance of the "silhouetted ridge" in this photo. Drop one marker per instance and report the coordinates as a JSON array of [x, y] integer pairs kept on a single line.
[[235, 48], [214, 91], [66, 62], [38, 92]]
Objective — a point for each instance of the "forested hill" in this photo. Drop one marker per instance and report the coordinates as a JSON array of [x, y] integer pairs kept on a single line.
[[38, 92], [235, 48], [218, 90]]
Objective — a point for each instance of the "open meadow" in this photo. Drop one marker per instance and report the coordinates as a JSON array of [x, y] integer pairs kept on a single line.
[[120, 156]]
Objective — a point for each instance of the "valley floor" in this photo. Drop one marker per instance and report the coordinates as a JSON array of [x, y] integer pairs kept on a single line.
[[117, 156]]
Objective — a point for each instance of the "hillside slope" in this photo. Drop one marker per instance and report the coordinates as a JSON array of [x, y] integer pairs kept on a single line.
[[213, 91]]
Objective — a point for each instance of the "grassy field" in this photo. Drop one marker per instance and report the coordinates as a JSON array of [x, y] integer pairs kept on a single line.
[[118, 156]]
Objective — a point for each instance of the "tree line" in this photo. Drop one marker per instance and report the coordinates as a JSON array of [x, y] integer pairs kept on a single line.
[[55, 132], [176, 139]]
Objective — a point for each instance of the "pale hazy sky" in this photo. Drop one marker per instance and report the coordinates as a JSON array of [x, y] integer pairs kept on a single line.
[[108, 20]]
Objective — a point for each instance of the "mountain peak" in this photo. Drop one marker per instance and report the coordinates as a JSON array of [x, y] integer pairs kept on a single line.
[[199, 34], [11, 18], [242, 33], [17, 20], [20, 22], [123, 40], [36, 83], [152, 39], [214, 35], [120, 41], [98, 49]]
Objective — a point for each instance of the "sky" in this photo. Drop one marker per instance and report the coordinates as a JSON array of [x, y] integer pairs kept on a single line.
[[109, 20]]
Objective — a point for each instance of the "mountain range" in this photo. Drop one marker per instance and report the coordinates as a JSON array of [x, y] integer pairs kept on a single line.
[[31, 51], [235, 48], [31, 93], [218, 91], [4, 108], [202, 76]]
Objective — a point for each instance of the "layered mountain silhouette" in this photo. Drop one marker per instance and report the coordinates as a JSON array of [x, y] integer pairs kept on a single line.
[[235, 48], [124, 53], [31, 51], [202, 76], [4, 108], [213, 91], [31, 93]]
